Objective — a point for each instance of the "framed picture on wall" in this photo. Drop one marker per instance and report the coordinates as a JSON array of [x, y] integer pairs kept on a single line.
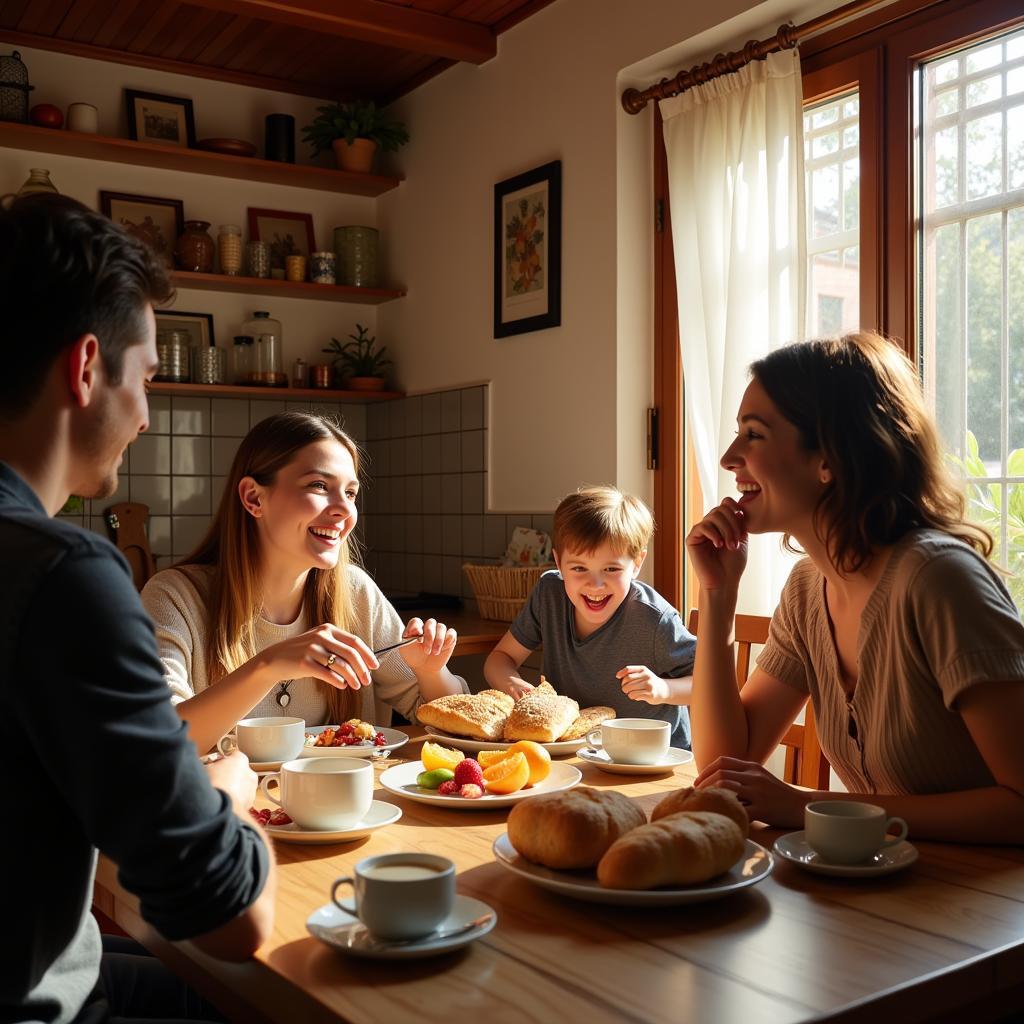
[[198, 325], [287, 234], [167, 120], [157, 222], [528, 251]]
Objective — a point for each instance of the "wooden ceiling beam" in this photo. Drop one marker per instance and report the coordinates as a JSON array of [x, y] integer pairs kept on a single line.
[[373, 21]]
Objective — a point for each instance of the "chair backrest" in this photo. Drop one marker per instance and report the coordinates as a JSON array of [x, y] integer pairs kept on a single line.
[[805, 765]]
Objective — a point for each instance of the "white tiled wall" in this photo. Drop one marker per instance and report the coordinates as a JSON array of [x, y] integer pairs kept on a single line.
[[423, 509]]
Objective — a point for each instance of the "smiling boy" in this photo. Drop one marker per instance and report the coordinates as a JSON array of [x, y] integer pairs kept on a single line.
[[608, 638]]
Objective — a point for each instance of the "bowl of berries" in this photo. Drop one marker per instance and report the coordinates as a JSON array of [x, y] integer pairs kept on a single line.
[[353, 738]]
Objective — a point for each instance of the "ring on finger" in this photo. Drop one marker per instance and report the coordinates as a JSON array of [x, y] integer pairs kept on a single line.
[[331, 659]]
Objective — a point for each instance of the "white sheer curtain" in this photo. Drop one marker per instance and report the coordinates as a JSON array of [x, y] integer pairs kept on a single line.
[[736, 193]]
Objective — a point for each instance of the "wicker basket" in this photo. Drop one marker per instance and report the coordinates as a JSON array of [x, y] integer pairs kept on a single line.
[[501, 590]]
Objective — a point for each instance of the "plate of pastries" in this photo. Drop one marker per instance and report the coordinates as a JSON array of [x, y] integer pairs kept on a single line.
[[598, 845], [492, 719]]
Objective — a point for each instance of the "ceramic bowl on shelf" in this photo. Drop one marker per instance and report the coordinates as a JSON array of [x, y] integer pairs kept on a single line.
[[231, 147]]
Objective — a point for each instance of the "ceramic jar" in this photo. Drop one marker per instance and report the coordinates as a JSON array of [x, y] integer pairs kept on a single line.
[[195, 247], [279, 140], [83, 117], [322, 267], [14, 88], [356, 249], [295, 267]]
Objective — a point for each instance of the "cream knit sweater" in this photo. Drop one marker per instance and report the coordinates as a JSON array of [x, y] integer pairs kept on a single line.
[[176, 601]]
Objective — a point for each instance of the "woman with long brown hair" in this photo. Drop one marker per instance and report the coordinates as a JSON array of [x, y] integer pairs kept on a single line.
[[895, 626], [269, 615]]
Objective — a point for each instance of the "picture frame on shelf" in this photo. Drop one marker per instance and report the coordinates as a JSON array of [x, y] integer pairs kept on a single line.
[[198, 325], [528, 251], [154, 220], [286, 233], [165, 120]]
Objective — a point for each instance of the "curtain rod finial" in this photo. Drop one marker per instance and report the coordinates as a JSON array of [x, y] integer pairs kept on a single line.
[[633, 101]]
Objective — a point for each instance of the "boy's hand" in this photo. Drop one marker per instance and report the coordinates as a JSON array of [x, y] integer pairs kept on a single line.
[[640, 683], [518, 688]]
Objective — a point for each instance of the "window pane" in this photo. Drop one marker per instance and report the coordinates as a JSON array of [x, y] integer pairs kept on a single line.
[[1015, 146], [946, 166], [979, 58], [984, 156], [825, 193], [1015, 315], [984, 90], [984, 333], [947, 102]]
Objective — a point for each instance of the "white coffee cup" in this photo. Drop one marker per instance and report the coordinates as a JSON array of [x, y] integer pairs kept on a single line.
[[400, 895], [266, 739], [323, 793], [83, 117], [848, 832], [632, 740]]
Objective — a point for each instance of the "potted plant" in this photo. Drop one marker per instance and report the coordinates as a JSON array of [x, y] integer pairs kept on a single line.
[[359, 364], [354, 131]]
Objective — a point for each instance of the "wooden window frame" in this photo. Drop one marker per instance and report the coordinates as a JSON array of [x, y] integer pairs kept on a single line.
[[877, 54]]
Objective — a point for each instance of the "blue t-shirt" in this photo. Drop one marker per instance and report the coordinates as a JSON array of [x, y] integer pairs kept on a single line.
[[645, 630]]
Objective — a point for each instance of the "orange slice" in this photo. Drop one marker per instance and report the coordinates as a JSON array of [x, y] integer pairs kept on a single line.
[[509, 775], [537, 758], [434, 756], [485, 758]]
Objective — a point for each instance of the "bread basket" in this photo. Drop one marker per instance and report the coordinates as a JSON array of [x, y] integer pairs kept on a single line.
[[501, 590]]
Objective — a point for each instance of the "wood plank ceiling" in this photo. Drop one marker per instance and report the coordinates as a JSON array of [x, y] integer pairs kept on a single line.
[[336, 49]]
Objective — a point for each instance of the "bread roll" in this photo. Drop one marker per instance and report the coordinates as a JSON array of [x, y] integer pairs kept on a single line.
[[505, 700], [545, 687], [589, 718], [540, 718], [465, 714], [682, 849], [721, 801], [572, 829]]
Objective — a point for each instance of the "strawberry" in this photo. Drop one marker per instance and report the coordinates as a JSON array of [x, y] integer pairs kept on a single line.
[[470, 790], [469, 772], [449, 788]]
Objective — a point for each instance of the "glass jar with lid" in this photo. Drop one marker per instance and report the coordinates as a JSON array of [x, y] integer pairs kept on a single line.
[[242, 359], [268, 359]]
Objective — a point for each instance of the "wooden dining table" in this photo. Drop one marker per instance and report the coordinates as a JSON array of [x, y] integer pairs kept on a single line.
[[942, 939]]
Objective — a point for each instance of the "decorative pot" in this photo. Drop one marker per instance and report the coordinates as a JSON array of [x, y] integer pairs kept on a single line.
[[355, 156], [46, 115], [195, 247], [365, 383], [356, 250]]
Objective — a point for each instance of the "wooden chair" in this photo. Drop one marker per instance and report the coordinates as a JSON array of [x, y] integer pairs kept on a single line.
[[805, 765]]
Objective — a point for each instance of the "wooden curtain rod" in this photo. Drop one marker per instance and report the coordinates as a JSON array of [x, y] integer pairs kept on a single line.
[[788, 35]]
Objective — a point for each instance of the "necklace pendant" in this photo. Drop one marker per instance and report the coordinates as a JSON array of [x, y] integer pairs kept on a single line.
[[284, 699]]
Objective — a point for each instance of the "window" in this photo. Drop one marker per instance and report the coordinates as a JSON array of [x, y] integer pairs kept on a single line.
[[970, 197]]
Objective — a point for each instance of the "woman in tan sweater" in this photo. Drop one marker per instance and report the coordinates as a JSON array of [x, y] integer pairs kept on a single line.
[[895, 626], [270, 617]]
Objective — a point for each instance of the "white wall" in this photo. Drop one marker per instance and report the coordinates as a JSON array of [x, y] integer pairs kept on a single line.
[[221, 109]]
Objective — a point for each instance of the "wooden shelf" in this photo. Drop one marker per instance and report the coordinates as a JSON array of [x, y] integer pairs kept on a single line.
[[286, 289], [194, 161], [289, 394]]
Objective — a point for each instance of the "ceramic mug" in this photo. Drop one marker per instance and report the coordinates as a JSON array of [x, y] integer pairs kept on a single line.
[[400, 895], [83, 117], [266, 739], [632, 740], [849, 832], [323, 793]]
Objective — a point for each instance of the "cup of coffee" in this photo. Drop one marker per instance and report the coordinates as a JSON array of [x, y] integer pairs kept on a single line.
[[400, 895], [849, 832], [632, 740], [323, 793], [266, 739]]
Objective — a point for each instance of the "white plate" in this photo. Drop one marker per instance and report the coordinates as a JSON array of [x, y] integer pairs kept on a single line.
[[557, 749], [332, 925], [401, 780], [793, 847], [380, 814], [395, 739], [675, 757], [754, 866]]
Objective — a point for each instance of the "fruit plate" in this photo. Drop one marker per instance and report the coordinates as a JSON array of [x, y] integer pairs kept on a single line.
[[401, 780], [754, 866], [395, 739], [560, 748]]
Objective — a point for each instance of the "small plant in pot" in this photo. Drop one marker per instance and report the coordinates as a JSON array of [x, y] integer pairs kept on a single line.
[[354, 131], [360, 366]]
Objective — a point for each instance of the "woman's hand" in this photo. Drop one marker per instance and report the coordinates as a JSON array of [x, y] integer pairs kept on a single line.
[[640, 683], [717, 547], [431, 654], [766, 798], [326, 652]]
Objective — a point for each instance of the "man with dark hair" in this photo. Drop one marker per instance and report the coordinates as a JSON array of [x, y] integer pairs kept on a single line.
[[98, 757]]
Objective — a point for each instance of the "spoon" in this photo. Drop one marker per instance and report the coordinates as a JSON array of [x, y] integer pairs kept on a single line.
[[449, 933]]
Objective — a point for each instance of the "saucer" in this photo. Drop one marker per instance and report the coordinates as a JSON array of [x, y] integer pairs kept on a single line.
[[674, 757], [793, 847], [334, 926], [379, 815]]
